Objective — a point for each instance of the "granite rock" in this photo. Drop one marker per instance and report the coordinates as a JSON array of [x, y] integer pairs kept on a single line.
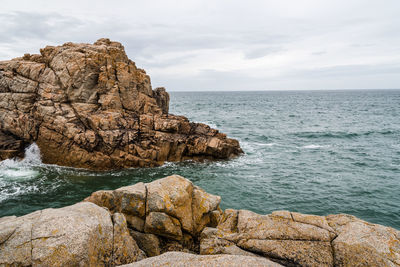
[[79, 235], [89, 106], [181, 259]]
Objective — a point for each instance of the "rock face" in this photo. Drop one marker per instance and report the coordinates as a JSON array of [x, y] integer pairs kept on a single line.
[[9, 146], [295, 239], [172, 214], [79, 235], [167, 214], [88, 105]]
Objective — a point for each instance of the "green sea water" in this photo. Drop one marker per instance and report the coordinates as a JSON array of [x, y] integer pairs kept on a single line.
[[316, 152]]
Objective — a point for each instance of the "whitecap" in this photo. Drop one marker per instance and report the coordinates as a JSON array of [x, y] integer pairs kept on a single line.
[[269, 144], [314, 146]]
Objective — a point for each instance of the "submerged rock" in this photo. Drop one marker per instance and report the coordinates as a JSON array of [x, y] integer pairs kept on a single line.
[[88, 105], [172, 214]]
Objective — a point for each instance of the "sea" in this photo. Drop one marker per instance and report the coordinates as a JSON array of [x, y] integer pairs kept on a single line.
[[315, 152]]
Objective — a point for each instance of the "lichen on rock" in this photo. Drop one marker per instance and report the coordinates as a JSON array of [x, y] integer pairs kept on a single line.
[[88, 105], [171, 214]]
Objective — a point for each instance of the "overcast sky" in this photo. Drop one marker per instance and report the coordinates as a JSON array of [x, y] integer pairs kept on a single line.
[[225, 45]]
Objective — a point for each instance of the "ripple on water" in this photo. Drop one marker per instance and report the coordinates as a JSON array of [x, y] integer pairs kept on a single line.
[[311, 152]]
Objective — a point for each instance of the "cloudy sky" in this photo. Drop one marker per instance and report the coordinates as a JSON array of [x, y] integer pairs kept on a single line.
[[225, 45]]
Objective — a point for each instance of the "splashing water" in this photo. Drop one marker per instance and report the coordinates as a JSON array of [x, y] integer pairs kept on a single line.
[[15, 171], [32, 158]]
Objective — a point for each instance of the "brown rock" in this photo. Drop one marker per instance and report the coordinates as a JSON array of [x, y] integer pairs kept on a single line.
[[203, 204], [9, 146], [132, 199], [149, 243], [81, 234], [364, 244], [125, 249], [88, 105], [164, 225], [16, 235], [173, 196], [135, 222], [229, 220], [211, 242]]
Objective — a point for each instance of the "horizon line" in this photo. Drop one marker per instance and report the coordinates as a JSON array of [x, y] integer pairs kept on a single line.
[[276, 90]]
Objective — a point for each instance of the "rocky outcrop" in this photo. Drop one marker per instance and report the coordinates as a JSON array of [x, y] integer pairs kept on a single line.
[[88, 105], [171, 214], [295, 239], [167, 214]]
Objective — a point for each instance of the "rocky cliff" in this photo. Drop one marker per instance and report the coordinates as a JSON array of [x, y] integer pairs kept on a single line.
[[88, 105], [138, 223]]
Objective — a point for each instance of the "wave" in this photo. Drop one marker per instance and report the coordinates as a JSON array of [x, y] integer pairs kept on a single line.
[[341, 135], [32, 158], [314, 146]]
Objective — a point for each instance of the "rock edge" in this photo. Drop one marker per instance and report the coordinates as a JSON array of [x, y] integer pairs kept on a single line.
[[141, 221]]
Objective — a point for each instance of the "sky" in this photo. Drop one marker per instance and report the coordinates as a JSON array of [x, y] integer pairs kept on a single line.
[[219, 45]]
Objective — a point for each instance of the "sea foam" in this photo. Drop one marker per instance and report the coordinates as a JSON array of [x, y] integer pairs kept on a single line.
[[22, 168]]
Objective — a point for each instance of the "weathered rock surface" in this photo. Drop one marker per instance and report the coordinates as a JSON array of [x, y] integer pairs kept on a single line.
[[88, 105], [79, 235], [166, 214], [9, 146], [171, 214], [296, 239], [181, 259]]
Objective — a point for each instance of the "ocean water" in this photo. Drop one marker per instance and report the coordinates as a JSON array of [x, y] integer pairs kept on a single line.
[[316, 152]]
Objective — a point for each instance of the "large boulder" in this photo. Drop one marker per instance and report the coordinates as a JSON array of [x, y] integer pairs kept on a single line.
[[292, 238], [88, 105], [360, 243], [83, 234], [170, 210]]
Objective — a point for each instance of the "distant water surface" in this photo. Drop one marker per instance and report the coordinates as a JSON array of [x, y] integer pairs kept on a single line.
[[317, 152]]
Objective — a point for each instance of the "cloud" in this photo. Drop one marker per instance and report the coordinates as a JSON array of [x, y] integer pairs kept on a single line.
[[225, 45]]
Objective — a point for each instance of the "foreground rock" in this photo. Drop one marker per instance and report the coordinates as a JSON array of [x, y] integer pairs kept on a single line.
[[171, 214], [167, 214], [181, 259], [79, 235], [88, 105]]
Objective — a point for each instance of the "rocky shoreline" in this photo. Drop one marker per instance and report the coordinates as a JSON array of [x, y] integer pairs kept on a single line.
[[89, 106], [172, 222]]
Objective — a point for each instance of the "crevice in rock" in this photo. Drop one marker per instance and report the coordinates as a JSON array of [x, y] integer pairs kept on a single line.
[[313, 224], [333, 251], [112, 249], [145, 202], [47, 237], [8, 237], [282, 261], [32, 225]]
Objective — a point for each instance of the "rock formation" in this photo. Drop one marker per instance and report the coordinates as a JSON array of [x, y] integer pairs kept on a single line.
[[88, 105], [171, 214], [79, 235]]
